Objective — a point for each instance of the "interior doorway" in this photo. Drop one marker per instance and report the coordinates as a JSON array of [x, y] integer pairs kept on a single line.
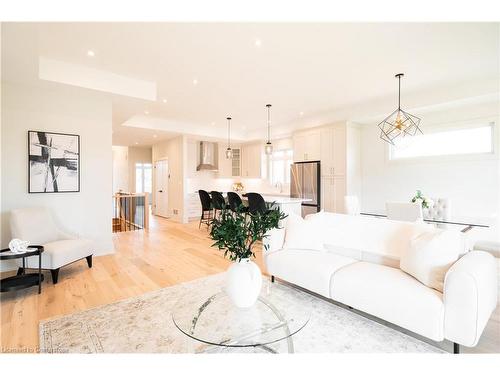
[[161, 188]]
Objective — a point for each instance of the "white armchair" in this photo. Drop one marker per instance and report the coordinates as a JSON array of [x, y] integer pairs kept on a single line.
[[37, 226]]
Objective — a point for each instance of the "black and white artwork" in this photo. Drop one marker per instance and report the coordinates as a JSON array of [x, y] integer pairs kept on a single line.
[[54, 162]]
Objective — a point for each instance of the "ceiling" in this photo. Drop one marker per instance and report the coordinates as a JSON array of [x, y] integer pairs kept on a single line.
[[310, 73]]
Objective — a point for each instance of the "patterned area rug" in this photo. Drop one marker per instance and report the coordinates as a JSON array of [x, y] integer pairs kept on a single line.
[[144, 325]]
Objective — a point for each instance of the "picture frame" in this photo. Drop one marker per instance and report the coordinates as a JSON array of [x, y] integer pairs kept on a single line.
[[53, 162]]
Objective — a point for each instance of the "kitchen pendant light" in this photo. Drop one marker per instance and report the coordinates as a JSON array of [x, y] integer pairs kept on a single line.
[[399, 123], [229, 151], [269, 146]]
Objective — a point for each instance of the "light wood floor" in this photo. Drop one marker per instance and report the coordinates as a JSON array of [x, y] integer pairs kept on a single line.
[[169, 253]]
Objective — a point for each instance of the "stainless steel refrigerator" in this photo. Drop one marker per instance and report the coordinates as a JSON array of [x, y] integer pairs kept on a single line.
[[305, 180]]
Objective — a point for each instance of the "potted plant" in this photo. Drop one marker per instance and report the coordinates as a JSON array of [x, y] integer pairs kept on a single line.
[[236, 234], [425, 202]]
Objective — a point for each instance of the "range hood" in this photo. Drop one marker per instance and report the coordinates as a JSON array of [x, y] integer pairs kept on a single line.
[[207, 156]]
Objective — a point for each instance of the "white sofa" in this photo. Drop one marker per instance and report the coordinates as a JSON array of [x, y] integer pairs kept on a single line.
[[358, 266]]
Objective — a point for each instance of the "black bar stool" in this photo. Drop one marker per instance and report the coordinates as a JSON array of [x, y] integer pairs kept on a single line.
[[218, 202], [206, 208], [256, 203], [235, 202]]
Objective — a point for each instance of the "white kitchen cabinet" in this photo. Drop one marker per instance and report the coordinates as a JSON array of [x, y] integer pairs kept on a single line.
[[224, 164], [251, 158], [193, 205], [333, 150], [229, 168], [339, 150], [333, 190], [326, 151], [306, 146]]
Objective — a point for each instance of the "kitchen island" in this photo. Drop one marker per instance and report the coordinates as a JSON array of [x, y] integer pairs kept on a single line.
[[285, 203]]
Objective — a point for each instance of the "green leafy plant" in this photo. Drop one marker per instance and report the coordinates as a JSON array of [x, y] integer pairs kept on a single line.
[[425, 202], [237, 232]]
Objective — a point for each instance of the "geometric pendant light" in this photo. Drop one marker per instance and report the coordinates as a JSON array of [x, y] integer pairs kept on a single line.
[[269, 147], [399, 123], [229, 151]]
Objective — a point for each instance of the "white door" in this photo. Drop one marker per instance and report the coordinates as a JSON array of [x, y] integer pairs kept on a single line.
[[161, 188]]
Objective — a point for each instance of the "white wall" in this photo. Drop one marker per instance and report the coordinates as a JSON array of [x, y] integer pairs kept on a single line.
[[63, 109], [120, 169], [173, 150], [354, 174], [471, 183]]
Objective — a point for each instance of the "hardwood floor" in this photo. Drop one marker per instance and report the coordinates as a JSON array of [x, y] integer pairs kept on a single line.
[[167, 254]]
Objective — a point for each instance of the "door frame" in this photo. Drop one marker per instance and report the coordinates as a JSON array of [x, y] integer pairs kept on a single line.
[[154, 184]]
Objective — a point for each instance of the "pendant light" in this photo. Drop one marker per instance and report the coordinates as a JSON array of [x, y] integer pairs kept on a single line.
[[229, 151], [399, 123], [269, 146]]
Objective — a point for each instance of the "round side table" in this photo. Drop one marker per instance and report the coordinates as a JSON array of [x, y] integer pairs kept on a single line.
[[22, 279]]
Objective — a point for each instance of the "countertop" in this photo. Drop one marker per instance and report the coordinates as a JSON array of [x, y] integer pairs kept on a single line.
[[280, 199], [276, 198]]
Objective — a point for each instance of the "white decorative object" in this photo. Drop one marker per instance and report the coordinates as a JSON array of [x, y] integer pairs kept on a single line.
[[430, 255], [243, 283], [18, 246], [303, 233]]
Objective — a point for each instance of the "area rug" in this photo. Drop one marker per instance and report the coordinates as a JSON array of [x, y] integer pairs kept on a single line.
[[144, 324]]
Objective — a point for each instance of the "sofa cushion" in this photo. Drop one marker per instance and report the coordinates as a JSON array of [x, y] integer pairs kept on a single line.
[[302, 234], [59, 253], [311, 270], [392, 295], [430, 255]]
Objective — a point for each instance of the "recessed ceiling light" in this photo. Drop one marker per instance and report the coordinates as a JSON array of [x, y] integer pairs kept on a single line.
[[301, 114], [136, 143], [90, 53], [164, 100], [155, 136], [212, 123], [195, 81], [258, 43], [146, 112]]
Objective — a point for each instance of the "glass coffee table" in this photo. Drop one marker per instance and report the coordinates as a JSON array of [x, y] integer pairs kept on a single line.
[[217, 325]]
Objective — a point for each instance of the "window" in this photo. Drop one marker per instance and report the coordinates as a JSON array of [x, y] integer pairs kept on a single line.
[[279, 167], [143, 178], [477, 140]]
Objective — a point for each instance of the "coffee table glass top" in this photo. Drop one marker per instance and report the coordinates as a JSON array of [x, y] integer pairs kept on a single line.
[[211, 318]]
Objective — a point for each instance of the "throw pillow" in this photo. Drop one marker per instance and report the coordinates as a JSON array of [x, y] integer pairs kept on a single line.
[[302, 234], [430, 255]]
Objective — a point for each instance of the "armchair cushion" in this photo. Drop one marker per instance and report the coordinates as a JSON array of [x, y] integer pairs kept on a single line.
[[59, 253]]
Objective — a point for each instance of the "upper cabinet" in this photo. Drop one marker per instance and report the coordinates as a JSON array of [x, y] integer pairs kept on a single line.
[[333, 150], [251, 159], [229, 167], [337, 147], [306, 145]]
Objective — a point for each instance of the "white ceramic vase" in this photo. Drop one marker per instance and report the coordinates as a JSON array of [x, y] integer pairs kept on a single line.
[[243, 283]]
